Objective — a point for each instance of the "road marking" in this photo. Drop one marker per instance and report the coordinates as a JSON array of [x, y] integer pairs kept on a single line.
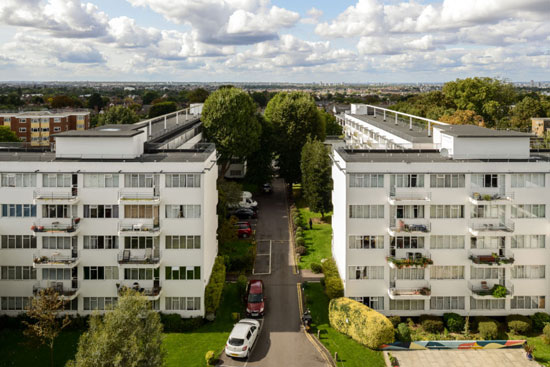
[[269, 254]]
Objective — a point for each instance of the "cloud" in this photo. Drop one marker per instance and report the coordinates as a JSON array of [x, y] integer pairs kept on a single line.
[[314, 16]]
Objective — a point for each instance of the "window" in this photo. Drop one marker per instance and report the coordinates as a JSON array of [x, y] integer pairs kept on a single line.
[[366, 272], [183, 242], [446, 303], [376, 303], [71, 305], [446, 242], [100, 180], [56, 180], [18, 179], [366, 211], [99, 303], [23, 120], [485, 180], [100, 242], [141, 180], [528, 180], [18, 210], [486, 273], [183, 180], [528, 272], [487, 242], [183, 211], [57, 243], [183, 303], [486, 304], [487, 211], [366, 242], [409, 211], [446, 272], [18, 241], [406, 305], [407, 242], [57, 119], [407, 273], [366, 180], [528, 241], [100, 272], [183, 272], [446, 211], [447, 180], [100, 211], [140, 242], [529, 211], [15, 303], [22, 129], [56, 129], [407, 180], [140, 274], [7, 119], [58, 211], [56, 274], [528, 302], [17, 272], [45, 129]]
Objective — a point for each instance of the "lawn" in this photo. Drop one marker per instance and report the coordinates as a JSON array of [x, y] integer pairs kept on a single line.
[[350, 353], [542, 350], [241, 255]]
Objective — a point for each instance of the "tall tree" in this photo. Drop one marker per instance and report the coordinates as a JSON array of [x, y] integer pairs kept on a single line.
[[96, 102], [118, 115], [463, 117], [331, 126], [162, 108], [523, 111], [316, 176], [294, 117], [46, 310], [229, 118], [128, 336], [198, 95], [259, 164], [149, 96], [8, 136]]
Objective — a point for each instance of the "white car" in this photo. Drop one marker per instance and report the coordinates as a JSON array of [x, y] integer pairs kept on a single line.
[[246, 195], [242, 338]]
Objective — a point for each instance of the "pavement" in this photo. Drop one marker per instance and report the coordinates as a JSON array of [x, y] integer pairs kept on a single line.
[[282, 342]]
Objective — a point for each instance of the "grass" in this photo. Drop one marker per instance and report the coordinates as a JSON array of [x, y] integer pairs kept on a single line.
[[241, 255], [542, 350], [350, 353]]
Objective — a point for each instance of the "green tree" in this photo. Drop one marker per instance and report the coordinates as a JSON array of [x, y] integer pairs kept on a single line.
[[6, 135], [229, 118], [65, 101], [294, 117], [460, 117], [128, 336], [316, 177], [198, 95], [162, 108], [149, 96], [331, 126], [259, 164], [523, 111], [260, 98], [118, 115], [96, 102], [46, 310]]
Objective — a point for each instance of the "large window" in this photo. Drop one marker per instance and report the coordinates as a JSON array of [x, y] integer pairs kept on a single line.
[[18, 210], [407, 273], [528, 302], [56, 274], [406, 305], [100, 180], [486, 273], [447, 180], [487, 242], [140, 242], [100, 211], [183, 211], [140, 274], [528, 180], [366, 272], [99, 303], [100, 242], [366, 180], [15, 303], [57, 242], [18, 180], [485, 180], [487, 211], [183, 242], [183, 180], [446, 272], [100, 272], [409, 211], [528, 241], [366, 211], [407, 180], [18, 241], [407, 242], [138, 211], [17, 272], [183, 303], [59, 211], [376, 303], [486, 304], [446, 242], [366, 242], [182, 272], [528, 272], [446, 303], [529, 211], [446, 211], [56, 180], [141, 180]]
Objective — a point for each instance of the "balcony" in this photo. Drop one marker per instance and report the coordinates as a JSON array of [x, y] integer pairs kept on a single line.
[[477, 198], [148, 257], [409, 197], [66, 294], [138, 227], [129, 198], [491, 229], [69, 196], [410, 292], [493, 259], [55, 260], [56, 225], [417, 261], [480, 290], [409, 226], [152, 293]]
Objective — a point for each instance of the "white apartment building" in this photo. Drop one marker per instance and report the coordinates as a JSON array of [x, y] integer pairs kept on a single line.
[[104, 212], [433, 230]]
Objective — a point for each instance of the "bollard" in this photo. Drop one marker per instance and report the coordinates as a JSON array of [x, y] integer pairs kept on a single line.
[[318, 334], [336, 356]]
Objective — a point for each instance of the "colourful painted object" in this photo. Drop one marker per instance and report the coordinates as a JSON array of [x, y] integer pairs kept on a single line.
[[453, 344]]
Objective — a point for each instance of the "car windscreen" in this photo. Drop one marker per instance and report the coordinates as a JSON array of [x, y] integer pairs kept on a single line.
[[255, 298], [236, 342]]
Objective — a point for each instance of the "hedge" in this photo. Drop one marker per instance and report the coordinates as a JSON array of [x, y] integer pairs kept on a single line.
[[454, 322], [363, 324], [431, 324], [546, 334], [395, 320], [174, 323], [316, 268], [334, 287], [519, 324], [540, 319], [213, 291], [403, 332], [487, 327]]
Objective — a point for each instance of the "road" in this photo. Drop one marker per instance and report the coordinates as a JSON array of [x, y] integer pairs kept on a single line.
[[282, 342]]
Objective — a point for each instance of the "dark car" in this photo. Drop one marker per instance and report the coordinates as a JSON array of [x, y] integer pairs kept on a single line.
[[267, 188], [244, 213], [255, 299], [244, 229]]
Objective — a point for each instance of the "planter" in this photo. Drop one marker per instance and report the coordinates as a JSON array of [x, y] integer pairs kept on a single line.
[[529, 356]]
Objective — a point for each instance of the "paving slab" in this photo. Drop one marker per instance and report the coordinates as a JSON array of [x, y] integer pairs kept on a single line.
[[463, 358]]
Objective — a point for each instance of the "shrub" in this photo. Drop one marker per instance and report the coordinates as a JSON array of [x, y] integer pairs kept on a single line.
[[213, 291], [242, 281], [487, 327], [499, 291], [300, 241], [174, 323], [296, 221], [316, 268], [454, 322], [540, 319], [519, 324], [395, 320], [301, 250], [431, 324], [210, 358], [361, 323], [299, 232], [334, 287], [403, 332], [546, 334]]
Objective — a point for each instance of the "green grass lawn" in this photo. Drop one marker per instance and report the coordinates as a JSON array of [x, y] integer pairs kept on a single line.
[[350, 353], [542, 350], [241, 253]]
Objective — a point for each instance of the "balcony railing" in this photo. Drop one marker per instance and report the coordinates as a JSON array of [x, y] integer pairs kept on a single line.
[[417, 260], [145, 257], [408, 227], [409, 292], [491, 259], [478, 198], [56, 196], [55, 260], [401, 196], [476, 228], [482, 290], [133, 197], [150, 292], [65, 292], [56, 225], [139, 227]]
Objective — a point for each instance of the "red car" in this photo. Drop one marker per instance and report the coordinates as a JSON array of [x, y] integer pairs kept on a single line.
[[255, 305], [244, 229]]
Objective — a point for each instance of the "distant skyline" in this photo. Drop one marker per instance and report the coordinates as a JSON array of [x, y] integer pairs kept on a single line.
[[361, 41]]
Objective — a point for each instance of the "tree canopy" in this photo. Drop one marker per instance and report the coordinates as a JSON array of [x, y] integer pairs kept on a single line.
[[7, 135], [259, 164], [118, 115], [162, 108], [331, 126], [463, 117], [316, 176], [96, 101], [198, 95], [149, 96]]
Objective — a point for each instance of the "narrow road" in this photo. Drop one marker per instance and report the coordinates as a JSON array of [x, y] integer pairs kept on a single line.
[[282, 342]]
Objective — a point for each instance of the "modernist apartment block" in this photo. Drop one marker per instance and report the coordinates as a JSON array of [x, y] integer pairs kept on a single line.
[[39, 127], [433, 230], [106, 211]]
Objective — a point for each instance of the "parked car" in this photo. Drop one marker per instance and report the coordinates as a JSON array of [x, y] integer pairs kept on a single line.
[[267, 188], [244, 229], [246, 195], [242, 338], [244, 213], [255, 299], [244, 203]]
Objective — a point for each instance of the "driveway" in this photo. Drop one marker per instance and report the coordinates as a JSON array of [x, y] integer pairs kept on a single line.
[[282, 342]]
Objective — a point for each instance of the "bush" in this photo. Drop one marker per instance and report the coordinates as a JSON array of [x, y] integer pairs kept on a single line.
[[334, 287], [242, 281], [213, 291], [299, 232], [487, 327], [301, 250], [316, 268], [431, 324], [174, 323], [296, 221], [546, 334], [210, 358], [519, 324], [499, 291], [360, 322], [403, 332], [454, 322], [540, 319], [395, 320], [300, 241]]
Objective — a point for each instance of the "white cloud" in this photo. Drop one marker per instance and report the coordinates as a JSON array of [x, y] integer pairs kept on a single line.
[[314, 16]]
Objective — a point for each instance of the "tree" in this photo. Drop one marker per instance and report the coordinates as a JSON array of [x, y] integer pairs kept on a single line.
[[331, 126], [229, 119], [198, 95], [523, 111], [316, 176], [463, 117], [149, 96], [162, 108], [6, 135], [118, 115], [128, 336], [260, 98], [65, 101], [260, 163], [294, 117], [95, 102], [46, 309]]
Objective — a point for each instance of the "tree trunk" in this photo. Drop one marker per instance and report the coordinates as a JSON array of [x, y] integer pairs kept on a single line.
[[51, 354]]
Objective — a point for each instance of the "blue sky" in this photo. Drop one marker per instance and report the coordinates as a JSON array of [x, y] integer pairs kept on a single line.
[[275, 41]]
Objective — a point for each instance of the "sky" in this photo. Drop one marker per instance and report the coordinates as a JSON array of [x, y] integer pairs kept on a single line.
[[348, 41]]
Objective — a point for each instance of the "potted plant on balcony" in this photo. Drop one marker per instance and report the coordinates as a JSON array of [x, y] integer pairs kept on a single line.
[[40, 229], [76, 220], [487, 197], [499, 291]]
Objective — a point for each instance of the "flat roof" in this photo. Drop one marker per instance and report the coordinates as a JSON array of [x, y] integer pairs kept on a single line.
[[104, 131], [416, 135], [473, 131], [25, 114]]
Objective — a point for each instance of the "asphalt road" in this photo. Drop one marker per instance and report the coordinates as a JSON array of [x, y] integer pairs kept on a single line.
[[282, 342]]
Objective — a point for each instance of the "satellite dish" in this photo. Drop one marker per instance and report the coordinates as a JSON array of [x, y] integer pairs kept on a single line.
[[444, 152]]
